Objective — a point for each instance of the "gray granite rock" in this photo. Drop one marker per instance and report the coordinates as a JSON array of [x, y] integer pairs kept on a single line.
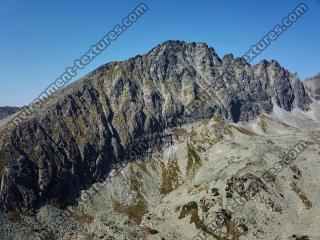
[[85, 129]]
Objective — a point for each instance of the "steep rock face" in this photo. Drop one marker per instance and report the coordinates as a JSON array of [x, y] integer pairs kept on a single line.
[[312, 85], [7, 111], [87, 127]]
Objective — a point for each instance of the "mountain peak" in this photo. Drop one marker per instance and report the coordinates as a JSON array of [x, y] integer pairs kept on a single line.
[[97, 118], [175, 46]]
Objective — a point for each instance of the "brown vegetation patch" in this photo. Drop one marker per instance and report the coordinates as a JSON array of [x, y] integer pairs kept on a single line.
[[180, 131], [196, 220], [3, 131], [82, 217], [149, 231], [302, 196], [232, 230], [205, 205], [135, 211], [170, 177], [143, 167], [244, 131], [194, 161], [274, 120], [197, 189]]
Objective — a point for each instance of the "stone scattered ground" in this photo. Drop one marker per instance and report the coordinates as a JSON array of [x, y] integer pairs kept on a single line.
[[178, 191]]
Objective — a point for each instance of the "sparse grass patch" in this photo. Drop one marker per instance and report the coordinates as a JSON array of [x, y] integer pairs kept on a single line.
[[302, 196], [194, 161], [3, 131], [134, 212], [193, 133], [82, 217], [227, 129], [196, 220], [143, 167], [217, 118], [274, 120], [180, 131], [137, 210], [263, 125], [149, 231], [192, 209], [170, 177], [220, 201], [232, 230], [205, 206], [244, 131]]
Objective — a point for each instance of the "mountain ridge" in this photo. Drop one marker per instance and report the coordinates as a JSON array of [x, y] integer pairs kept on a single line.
[[85, 129], [312, 85], [7, 111]]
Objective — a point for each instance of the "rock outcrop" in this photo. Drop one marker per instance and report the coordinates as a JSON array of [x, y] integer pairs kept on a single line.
[[86, 128]]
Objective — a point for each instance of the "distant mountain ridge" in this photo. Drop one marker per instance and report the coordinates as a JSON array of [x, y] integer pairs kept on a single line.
[[312, 85], [7, 111], [86, 129]]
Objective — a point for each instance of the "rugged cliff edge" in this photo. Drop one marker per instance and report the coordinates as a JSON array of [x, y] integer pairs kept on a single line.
[[86, 128]]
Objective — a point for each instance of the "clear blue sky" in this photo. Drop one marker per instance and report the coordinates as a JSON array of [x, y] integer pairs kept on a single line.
[[39, 39]]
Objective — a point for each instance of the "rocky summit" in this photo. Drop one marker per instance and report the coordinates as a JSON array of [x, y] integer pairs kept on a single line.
[[156, 147]]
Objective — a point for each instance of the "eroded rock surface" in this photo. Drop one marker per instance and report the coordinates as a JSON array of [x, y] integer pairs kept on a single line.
[[85, 129]]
